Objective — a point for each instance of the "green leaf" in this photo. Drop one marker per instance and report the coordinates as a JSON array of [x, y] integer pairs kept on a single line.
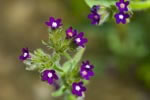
[[30, 66], [106, 3], [58, 68], [134, 5], [40, 56], [70, 97], [70, 64], [44, 43], [59, 92], [140, 5], [104, 15]]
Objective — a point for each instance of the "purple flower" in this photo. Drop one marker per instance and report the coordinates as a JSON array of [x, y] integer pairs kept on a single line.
[[121, 17], [95, 8], [71, 33], [122, 5], [86, 74], [78, 88], [49, 76], [54, 24], [86, 70], [87, 65], [94, 17], [79, 40], [25, 54]]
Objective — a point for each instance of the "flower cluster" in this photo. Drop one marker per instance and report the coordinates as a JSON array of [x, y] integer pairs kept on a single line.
[[122, 16], [86, 70], [94, 16], [78, 38], [51, 70]]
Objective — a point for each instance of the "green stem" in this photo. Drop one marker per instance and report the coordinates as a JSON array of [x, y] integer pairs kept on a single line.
[[67, 56], [55, 57]]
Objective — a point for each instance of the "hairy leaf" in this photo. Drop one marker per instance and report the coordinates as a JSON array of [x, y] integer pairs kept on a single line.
[[106, 3], [70, 64], [59, 92]]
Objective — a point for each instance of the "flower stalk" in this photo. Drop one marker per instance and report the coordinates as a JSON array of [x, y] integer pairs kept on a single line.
[[67, 77]]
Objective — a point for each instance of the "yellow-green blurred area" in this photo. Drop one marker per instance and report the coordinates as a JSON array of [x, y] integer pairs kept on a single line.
[[120, 53]]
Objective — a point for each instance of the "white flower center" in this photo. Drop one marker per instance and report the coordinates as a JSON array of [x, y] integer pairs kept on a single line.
[[54, 24], [25, 54], [122, 5], [78, 40], [84, 73], [70, 34], [50, 74], [96, 17], [78, 88], [87, 66], [121, 16]]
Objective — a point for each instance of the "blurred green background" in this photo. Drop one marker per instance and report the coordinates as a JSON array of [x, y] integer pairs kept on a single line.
[[120, 53]]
